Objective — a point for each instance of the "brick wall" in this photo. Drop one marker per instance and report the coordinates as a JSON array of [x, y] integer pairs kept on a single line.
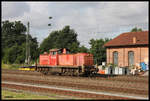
[[141, 54]]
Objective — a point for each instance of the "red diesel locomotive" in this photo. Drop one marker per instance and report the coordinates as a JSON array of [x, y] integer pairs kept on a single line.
[[62, 62]]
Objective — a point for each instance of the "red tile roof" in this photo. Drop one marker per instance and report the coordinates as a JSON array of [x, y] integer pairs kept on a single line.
[[126, 39]]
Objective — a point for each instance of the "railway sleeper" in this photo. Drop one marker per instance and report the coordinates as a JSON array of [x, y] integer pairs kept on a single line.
[[70, 71]]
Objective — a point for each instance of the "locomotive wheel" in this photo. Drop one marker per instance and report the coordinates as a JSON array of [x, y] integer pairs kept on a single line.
[[72, 72], [45, 72], [92, 74], [59, 74], [69, 72], [76, 72]]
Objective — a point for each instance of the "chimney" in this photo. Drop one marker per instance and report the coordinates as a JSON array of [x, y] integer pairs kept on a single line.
[[134, 40]]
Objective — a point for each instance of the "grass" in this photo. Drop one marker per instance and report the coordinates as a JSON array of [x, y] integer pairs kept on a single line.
[[6, 94], [10, 66]]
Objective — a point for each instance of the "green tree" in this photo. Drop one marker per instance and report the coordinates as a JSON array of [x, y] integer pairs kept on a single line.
[[14, 42], [11, 33], [12, 53], [65, 38], [136, 30], [49, 42], [83, 49], [98, 50], [34, 50]]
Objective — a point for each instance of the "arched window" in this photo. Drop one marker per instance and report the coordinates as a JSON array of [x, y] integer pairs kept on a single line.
[[115, 58], [130, 58]]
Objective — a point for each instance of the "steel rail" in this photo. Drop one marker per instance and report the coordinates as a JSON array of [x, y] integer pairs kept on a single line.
[[76, 90]]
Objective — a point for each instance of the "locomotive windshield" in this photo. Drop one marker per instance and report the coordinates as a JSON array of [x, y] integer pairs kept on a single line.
[[54, 53], [67, 52], [59, 52]]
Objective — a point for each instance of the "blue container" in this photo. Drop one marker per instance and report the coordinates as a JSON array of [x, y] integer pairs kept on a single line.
[[143, 65]]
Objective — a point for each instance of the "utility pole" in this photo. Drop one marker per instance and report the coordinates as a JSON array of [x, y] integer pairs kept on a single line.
[[29, 57], [27, 60]]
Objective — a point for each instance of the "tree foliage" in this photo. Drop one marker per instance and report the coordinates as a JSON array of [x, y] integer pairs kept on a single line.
[[136, 30], [14, 42], [98, 50], [65, 38], [12, 33], [83, 49]]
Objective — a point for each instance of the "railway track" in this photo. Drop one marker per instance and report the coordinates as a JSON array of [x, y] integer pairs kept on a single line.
[[133, 79], [77, 81], [79, 86], [69, 92], [95, 84]]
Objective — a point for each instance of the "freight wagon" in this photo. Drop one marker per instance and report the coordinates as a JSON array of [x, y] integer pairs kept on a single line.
[[60, 61]]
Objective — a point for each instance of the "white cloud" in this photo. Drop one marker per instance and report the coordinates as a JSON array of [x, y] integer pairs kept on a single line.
[[88, 19], [14, 9]]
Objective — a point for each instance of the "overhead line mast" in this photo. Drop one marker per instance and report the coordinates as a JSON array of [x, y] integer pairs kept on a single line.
[[27, 61]]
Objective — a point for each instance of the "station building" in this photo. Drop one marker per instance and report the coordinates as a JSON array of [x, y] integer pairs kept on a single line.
[[128, 49]]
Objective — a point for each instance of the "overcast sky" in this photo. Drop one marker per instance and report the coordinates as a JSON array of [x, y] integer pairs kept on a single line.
[[89, 19]]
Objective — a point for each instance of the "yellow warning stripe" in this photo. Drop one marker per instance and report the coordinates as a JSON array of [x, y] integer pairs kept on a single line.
[[32, 69]]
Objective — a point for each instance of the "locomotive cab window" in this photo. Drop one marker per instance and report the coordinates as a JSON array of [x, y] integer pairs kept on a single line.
[[54, 53], [59, 52], [67, 52]]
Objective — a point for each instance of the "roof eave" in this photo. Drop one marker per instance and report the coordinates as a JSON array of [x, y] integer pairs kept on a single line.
[[126, 45]]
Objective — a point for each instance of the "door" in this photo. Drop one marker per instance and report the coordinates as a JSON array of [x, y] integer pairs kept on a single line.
[[53, 58], [131, 58]]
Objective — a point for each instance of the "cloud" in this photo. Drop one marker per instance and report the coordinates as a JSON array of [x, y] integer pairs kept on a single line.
[[88, 19], [14, 9], [105, 20], [126, 12]]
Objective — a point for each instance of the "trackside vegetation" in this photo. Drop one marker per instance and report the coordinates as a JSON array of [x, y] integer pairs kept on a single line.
[[10, 95], [14, 43]]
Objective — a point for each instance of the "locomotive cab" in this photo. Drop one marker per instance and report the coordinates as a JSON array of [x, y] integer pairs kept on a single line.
[[53, 51], [59, 51]]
